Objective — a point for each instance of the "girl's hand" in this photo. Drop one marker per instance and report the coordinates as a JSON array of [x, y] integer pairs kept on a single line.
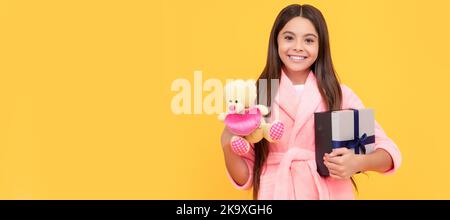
[[342, 163]]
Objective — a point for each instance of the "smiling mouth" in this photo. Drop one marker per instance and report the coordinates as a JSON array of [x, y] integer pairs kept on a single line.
[[296, 58]]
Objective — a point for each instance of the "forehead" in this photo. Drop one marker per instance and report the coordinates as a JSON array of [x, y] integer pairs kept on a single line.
[[299, 26]]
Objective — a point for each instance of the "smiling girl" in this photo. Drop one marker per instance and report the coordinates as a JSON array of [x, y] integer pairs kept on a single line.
[[299, 56]]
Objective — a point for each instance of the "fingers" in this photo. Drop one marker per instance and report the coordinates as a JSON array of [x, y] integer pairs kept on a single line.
[[337, 163], [332, 166], [338, 151], [336, 160], [336, 171], [336, 176]]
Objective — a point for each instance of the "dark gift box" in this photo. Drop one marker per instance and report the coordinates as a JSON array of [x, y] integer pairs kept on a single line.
[[354, 129]]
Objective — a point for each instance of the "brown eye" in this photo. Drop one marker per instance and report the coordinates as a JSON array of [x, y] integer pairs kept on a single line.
[[309, 41], [236, 101]]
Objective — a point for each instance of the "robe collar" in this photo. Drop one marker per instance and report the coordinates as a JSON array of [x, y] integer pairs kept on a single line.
[[298, 108]]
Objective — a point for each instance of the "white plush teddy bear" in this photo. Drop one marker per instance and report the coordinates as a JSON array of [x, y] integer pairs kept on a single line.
[[245, 119]]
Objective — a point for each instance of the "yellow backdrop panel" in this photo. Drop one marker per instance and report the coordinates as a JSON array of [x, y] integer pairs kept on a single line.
[[85, 92]]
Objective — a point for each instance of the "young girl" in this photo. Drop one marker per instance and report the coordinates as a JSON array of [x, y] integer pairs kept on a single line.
[[299, 56]]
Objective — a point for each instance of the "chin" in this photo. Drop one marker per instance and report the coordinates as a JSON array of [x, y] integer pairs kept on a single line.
[[291, 68]]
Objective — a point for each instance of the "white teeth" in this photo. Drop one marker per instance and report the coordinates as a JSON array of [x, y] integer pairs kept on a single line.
[[296, 58]]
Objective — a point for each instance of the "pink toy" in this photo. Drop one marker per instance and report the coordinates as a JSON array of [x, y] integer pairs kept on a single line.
[[245, 119]]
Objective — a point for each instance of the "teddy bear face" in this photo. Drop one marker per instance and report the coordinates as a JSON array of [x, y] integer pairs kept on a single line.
[[239, 95]]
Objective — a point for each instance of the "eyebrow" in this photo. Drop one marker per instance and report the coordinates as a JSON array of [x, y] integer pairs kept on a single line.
[[306, 35]]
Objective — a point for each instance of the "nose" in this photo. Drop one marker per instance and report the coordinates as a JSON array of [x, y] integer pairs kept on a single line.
[[298, 46], [232, 108]]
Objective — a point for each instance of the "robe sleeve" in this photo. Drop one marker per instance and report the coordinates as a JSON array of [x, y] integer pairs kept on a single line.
[[382, 141]]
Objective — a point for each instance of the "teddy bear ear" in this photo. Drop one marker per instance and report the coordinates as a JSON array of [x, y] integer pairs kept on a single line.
[[251, 84], [251, 81]]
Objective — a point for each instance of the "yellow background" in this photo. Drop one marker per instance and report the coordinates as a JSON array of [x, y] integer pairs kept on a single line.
[[85, 92]]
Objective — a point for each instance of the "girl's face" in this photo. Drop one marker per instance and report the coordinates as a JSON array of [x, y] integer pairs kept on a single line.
[[298, 45]]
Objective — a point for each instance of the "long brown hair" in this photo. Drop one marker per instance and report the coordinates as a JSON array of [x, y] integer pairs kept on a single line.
[[327, 80]]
